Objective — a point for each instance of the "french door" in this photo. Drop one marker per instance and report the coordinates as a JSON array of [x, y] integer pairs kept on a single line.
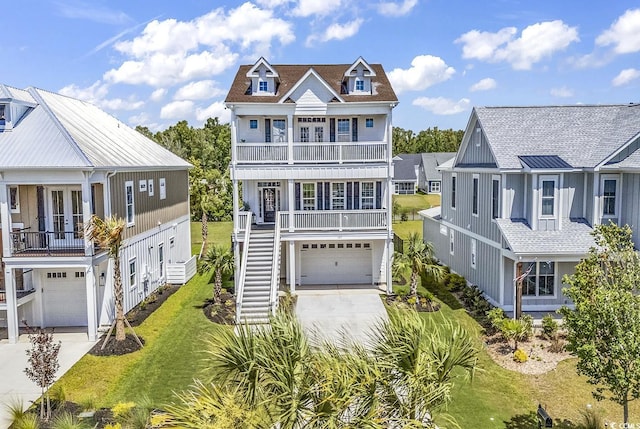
[[65, 217]]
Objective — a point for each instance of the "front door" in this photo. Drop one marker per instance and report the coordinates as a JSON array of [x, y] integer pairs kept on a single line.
[[269, 204], [65, 214]]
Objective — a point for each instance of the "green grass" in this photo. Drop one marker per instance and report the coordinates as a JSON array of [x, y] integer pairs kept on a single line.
[[417, 202], [404, 229], [219, 234]]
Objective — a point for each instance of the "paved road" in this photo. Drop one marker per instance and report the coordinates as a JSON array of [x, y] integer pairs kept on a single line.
[[13, 360], [340, 314]]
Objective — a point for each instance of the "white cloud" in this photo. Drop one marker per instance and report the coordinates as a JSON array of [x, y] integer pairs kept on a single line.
[[171, 51], [624, 33], [215, 110], [337, 32], [562, 92], [270, 4], [625, 76], [395, 9], [536, 42], [122, 104], [200, 90], [425, 71], [316, 7], [158, 94], [483, 85], [142, 119], [81, 10], [442, 106], [177, 110], [93, 94]]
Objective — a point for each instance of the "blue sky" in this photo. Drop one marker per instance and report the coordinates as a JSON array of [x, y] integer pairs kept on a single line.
[[154, 63]]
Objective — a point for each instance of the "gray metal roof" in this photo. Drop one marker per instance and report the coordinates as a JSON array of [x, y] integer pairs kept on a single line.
[[62, 132], [582, 135], [574, 237], [432, 160], [544, 161]]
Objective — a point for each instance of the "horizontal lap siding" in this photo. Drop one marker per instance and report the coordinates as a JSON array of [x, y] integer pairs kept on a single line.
[[149, 210]]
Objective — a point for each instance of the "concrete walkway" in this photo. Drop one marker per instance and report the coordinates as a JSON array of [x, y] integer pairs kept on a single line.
[[14, 384], [339, 314]]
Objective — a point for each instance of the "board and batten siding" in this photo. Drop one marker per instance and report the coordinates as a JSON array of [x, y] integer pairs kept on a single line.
[[482, 224], [514, 196], [630, 207], [572, 195], [477, 151], [151, 210]]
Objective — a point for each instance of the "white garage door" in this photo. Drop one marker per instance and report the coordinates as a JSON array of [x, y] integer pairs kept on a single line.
[[335, 265], [65, 299]]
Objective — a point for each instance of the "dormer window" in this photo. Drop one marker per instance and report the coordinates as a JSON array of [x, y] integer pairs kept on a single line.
[[263, 86], [359, 85], [2, 107]]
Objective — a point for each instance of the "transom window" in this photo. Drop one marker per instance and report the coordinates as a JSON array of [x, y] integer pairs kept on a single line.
[[367, 196], [541, 279], [609, 197], [343, 130], [308, 196]]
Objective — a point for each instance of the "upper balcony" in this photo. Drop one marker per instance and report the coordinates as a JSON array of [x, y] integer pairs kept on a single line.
[[306, 153]]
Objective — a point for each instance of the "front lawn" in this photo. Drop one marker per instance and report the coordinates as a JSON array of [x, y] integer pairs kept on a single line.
[[219, 233], [417, 202]]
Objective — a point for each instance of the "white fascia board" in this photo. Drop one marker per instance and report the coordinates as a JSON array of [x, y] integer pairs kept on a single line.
[[263, 109], [284, 172], [358, 109], [43, 177]]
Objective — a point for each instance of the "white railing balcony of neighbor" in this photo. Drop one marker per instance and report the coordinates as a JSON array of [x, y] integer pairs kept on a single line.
[[333, 220], [304, 153]]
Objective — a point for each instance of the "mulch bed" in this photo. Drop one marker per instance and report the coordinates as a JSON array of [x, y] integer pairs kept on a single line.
[[116, 348], [223, 313], [421, 304], [140, 312]]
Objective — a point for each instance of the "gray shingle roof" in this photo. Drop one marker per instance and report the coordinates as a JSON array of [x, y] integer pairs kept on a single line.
[[432, 160], [62, 132], [582, 135], [573, 239], [404, 170]]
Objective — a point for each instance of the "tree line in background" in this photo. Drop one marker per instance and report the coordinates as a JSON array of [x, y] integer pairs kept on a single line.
[[209, 150]]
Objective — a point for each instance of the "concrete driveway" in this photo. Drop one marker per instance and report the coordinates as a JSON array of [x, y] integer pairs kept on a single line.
[[339, 313], [14, 384]]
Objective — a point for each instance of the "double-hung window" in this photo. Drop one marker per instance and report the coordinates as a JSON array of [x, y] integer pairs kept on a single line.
[[476, 185], [337, 196], [133, 277], [343, 130], [130, 203], [161, 259], [308, 196], [367, 196], [548, 185], [541, 279], [609, 195]]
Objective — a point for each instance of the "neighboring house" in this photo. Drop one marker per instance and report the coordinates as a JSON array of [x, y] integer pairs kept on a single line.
[[61, 161], [429, 176], [311, 150], [405, 173], [526, 188]]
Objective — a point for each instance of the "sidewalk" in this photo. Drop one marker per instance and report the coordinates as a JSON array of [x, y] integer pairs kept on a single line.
[[14, 384]]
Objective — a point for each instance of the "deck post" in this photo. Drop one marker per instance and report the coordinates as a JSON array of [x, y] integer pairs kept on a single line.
[[12, 306]]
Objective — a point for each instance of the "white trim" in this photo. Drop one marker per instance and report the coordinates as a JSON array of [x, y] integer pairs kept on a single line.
[[362, 61], [555, 280], [501, 293], [310, 72], [453, 193], [14, 208], [541, 180], [162, 184], [475, 189], [629, 142], [150, 187], [617, 208], [161, 261], [133, 274], [498, 178]]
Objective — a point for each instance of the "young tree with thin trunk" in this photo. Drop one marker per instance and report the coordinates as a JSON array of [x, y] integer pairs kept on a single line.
[[107, 234], [220, 260], [43, 365], [603, 330], [420, 258]]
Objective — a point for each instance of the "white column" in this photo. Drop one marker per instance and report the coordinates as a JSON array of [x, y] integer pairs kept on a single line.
[[233, 121], [5, 219], [12, 306], [290, 137], [92, 308], [292, 266], [596, 200], [292, 203], [86, 213], [388, 273], [236, 263], [236, 207]]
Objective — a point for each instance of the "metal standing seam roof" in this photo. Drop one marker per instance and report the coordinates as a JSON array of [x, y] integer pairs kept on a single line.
[[574, 238], [581, 135], [62, 132], [544, 161]]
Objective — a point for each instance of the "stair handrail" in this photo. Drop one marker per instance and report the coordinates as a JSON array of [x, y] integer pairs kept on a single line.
[[275, 269], [243, 268]]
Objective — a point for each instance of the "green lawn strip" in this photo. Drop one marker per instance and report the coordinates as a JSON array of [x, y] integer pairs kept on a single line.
[[404, 229], [175, 358], [418, 201]]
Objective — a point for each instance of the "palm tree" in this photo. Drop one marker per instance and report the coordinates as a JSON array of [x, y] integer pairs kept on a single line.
[[205, 223], [219, 259], [107, 234], [419, 257]]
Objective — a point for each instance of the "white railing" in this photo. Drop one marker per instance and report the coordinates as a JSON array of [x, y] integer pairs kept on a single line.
[[275, 270], [243, 218], [334, 220], [243, 269], [334, 152]]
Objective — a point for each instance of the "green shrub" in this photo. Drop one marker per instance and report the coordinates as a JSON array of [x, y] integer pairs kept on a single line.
[[412, 301], [527, 321], [404, 215], [549, 327], [591, 419], [556, 346], [426, 294], [27, 421], [455, 282], [496, 317], [514, 330], [67, 421], [520, 356]]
